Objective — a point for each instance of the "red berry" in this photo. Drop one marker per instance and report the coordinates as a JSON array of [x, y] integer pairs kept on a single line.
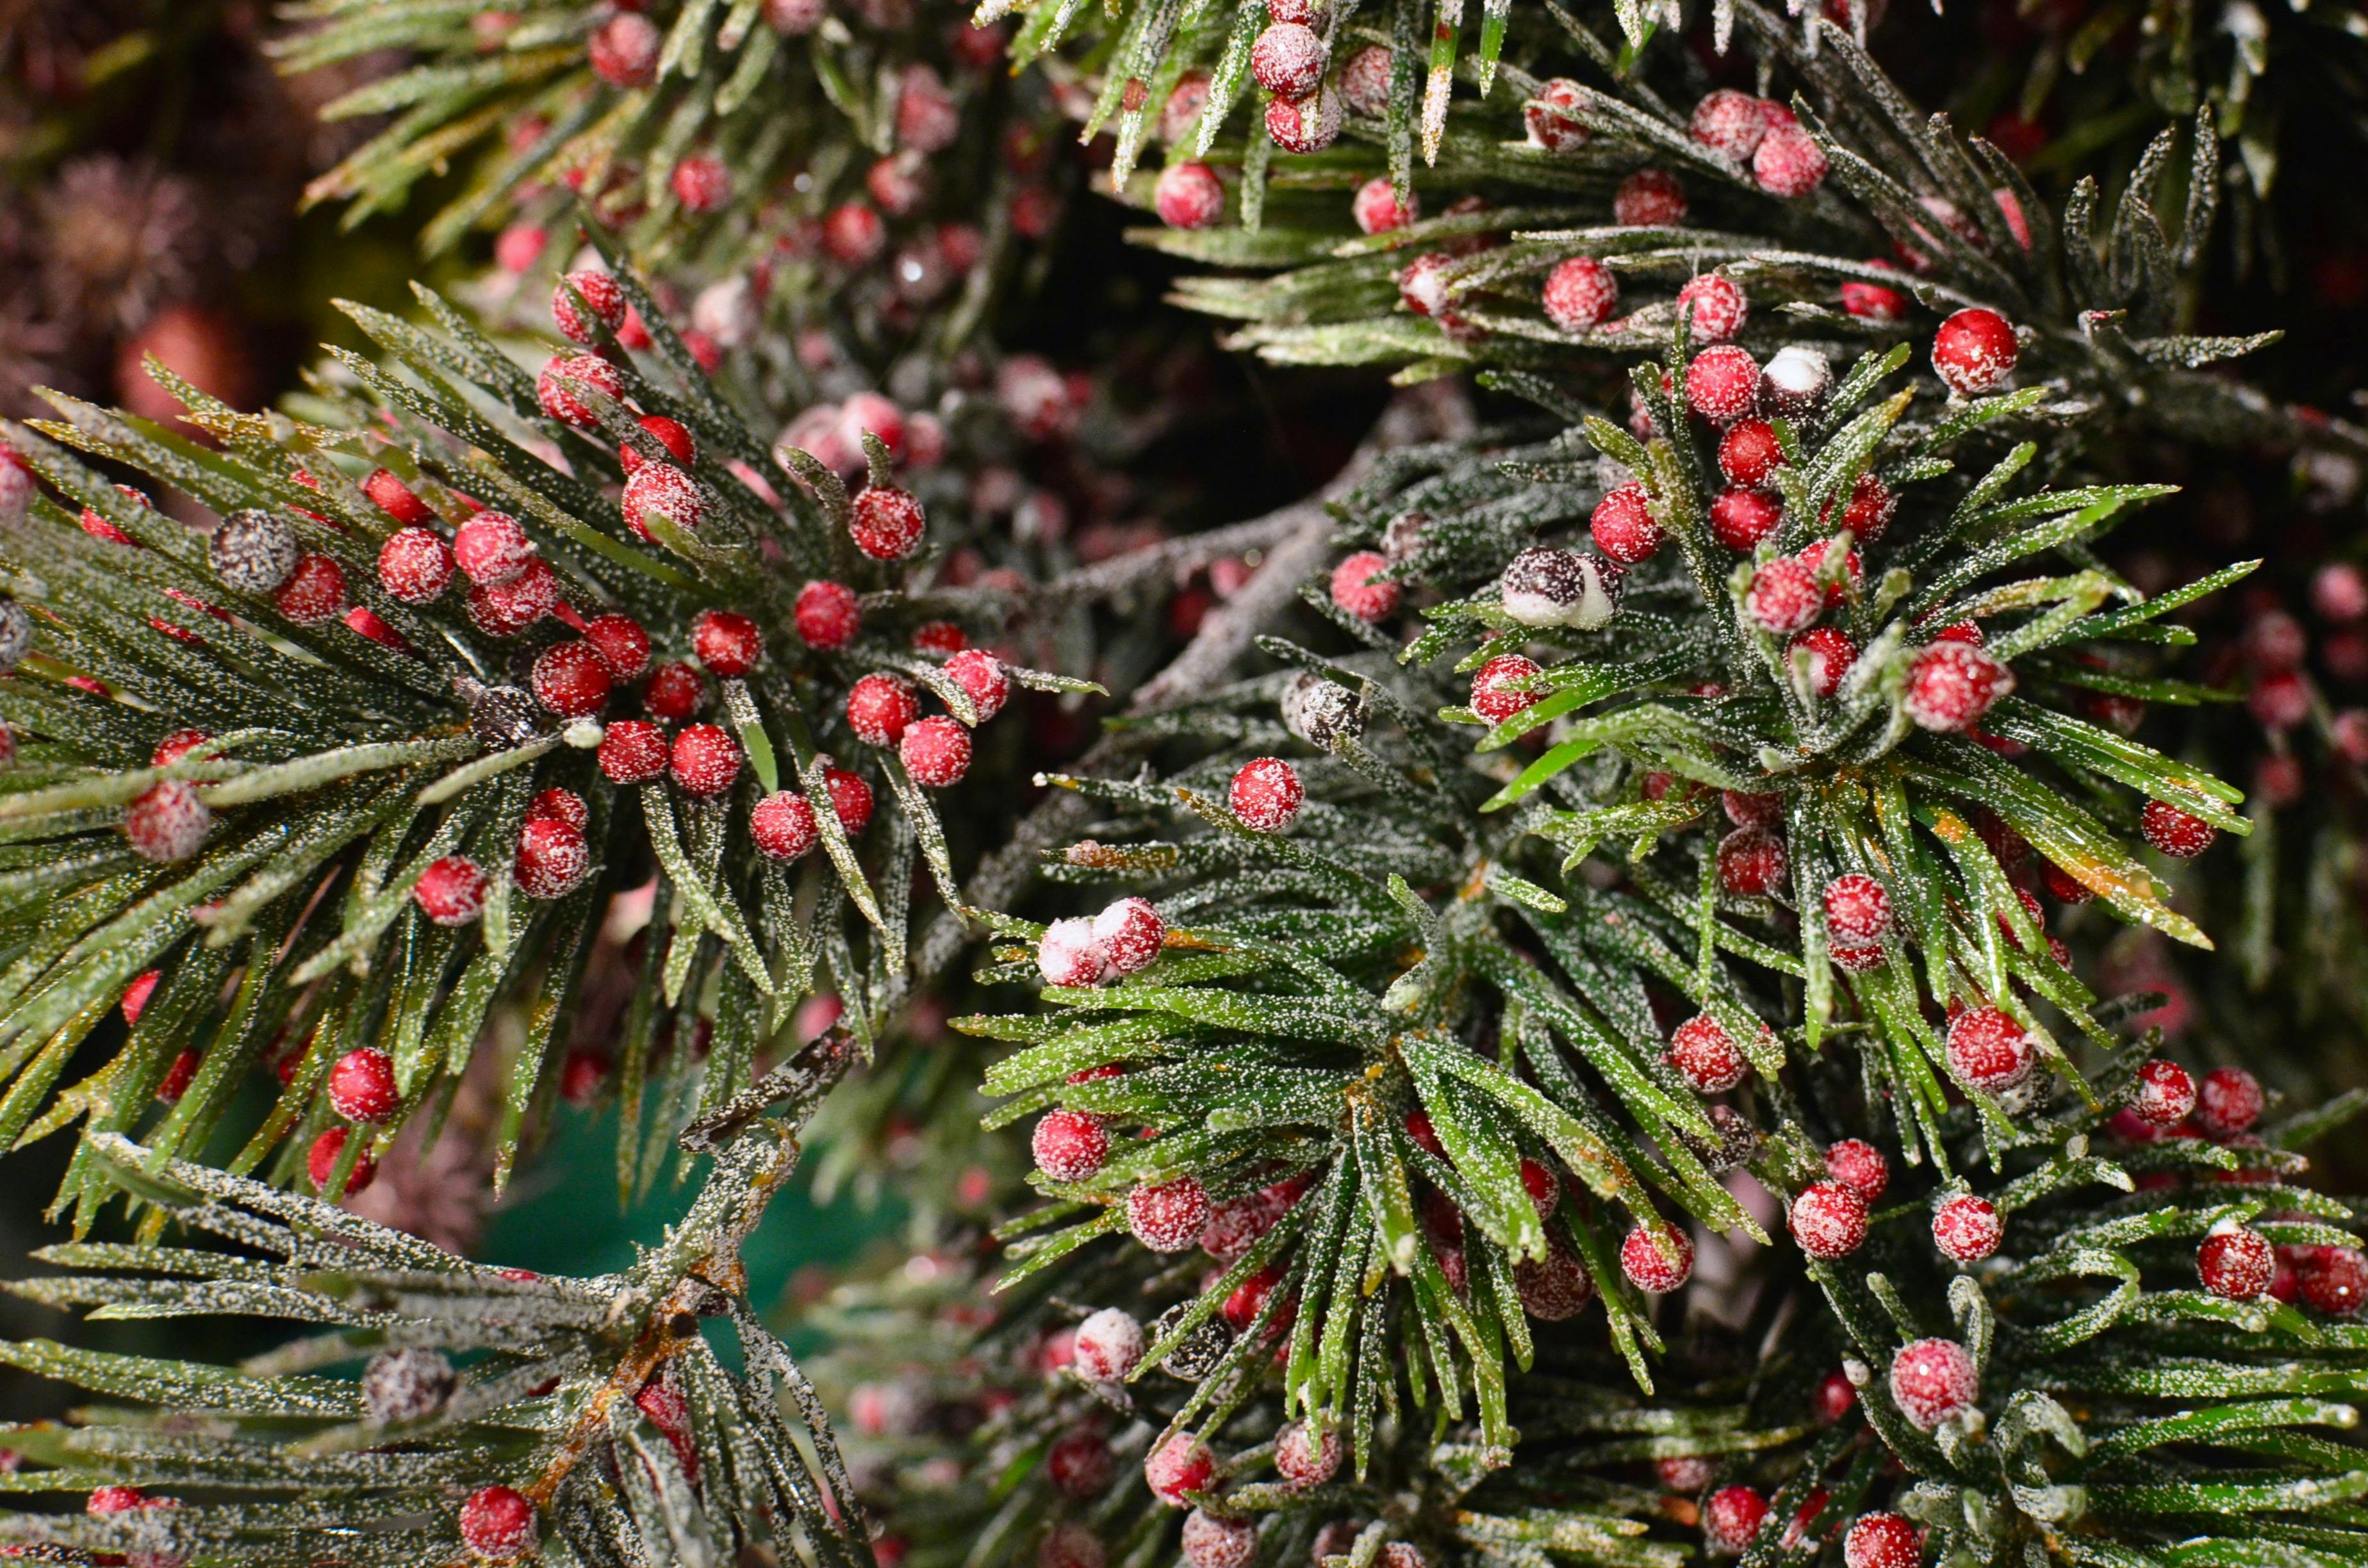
[[2278, 699], [1265, 794], [1714, 308], [936, 752], [1858, 908], [561, 403], [1188, 196], [1859, 1167], [1731, 1519], [1830, 654], [1623, 527], [782, 826], [1067, 1544], [624, 50], [362, 1087], [1974, 351], [1740, 519], [1109, 1345], [729, 644], [1288, 60], [1178, 1467], [886, 525], [706, 760], [1882, 1540], [496, 1522], [2235, 1262], [452, 891], [633, 750], [1828, 1220], [134, 1001], [1131, 935], [1551, 117], [395, 499], [1376, 207], [1068, 954], [491, 550], [851, 800], [1423, 288], [701, 184], [2174, 832], [1581, 293], [1684, 1473], [1729, 123], [1789, 163], [1933, 1380], [827, 615], [510, 608], [1358, 588], [1648, 1267], [314, 593], [668, 434], [2228, 1101], [1248, 1299], [1706, 1055], [983, 679], [2333, 1280], [571, 679], [1305, 1455], [852, 233], [552, 857], [662, 492], [1874, 301], [1952, 685], [1211, 1540], [1070, 1145], [2163, 1094], [1649, 199], [1869, 511], [1722, 383], [1170, 1216], [674, 691], [1078, 1465], [601, 296], [1419, 1128], [415, 566], [1490, 698], [1745, 809], [167, 822], [1752, 862], [1784, 596], [1749, 454], [621, 644], [321, 1162], [1967, 1228], [1989, 1051], [879, 707]]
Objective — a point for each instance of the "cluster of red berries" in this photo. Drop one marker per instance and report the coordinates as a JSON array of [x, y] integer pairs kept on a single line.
[[1763, 136], [1290, 60]]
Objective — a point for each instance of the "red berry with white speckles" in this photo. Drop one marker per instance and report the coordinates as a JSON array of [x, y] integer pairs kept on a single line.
[[1267, 794], [624, 50], [1288, 60], [1305, 1455], [2163, 1094], [1490, 697], [1952, 685], [1188, 196], [559, 805], [1882, 1540], [491, 549], [509, 609], [1212, 1540], [1830, 654], [1966, 1228], [1789, 163], [1651, 1269], [1359, 587], [1731, 1519], [2174, 832], [1178, 1467], [497, 1522], [2235, 1262], [315, 593], [1858, 1165], [552, 859], [674, 691], [1828, 1220], [1722, 383], [1554, 1289], [1740, 519], [1649, 199], [1167, 1216], [886, 524], [781, 826], [1581, 293], [661, 492], [1623, 527], [1933, 1381], [1109, 1345], [415, 566], [1551, 117], [1729, 123], [936, 752], [2228, 1101], [983, 679], [167, 822], [633, 750], [702, 184], [1784, 596], [827, 615], [1752, 862], [1376, 207], [1749, 454], [668, 434], [452, 891], [560, 401], [2333, 1280], [1990, 1050], [1068, 954], [1714, 308], [362, 1087], [621, 644], [571, 679], [1974, 351], [602, 297], [1706, 1055], [1131, 935], [1858, 908], [851, 800], [1069, 1145], [880, 708], [727, 643], [705, 760], [1079, 1464]]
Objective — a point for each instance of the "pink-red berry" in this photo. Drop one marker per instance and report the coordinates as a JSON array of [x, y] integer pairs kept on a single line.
[[827, 615], [1265, 794], [1933, 1381], [1651, 1269], [781, 826], [936, 752], [1167, 1216], [451, 891], [1950, 685], [1990, 1050], [705, 760], [1828, 1220]]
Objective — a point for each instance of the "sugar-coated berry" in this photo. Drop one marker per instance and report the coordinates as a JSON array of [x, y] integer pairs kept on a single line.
[[571, 679], [1550, 117], [622, 643], [1784, 596], [702, 184], [705, 760], [1495, 694], [1933, 1381], [662, 492], [1746, 808], [1288, 60], [1377, 208], [1109, 1345], [497, 1522], [1562, 588], [557, 397], [624, 50], [2235, 1262], [886, 524], [1722, 383], [1188, 196], [1740, 519], [1731, 1519], [1068, 954], [1882, 1540], [1623, 527], [983, 679], [827, 615], [1131, 935], [1828, 1220], [1423, 285], [674, 691], [556, 804], [1068, 1545], [1796, 381], [1651, 1269], [1966, 1228], [602, 298], [1749, 454], [451, 891], [939, 637], [1706, 1055], [1974, 351], [1307, 1455], [2163, 1093], [1265, 794], [315, 592], [1868, 512], [1752, 862], [1789, 163], [1215, 1540], [1581, 293], [167, 822], [851, 800], [1178, 1467], [1167, 1216], [781, 826], [552, 859], [491, 549], [1364, 82], [936, 752], [2333, 1280], [727, 643], [253, 552], [1729, 123], [668, 434], [1685, 1472], [2174, 832], [1649, 199], [632, 751], [1070, 1145], [1359, 587], [1714, 308], [1079, 1464], [1858, 1165], [1858, 908], [879, 707], [415, 566], [2228, 1101], [362, 1087], [1304, 125], [1950, 685], [1990, 1050]]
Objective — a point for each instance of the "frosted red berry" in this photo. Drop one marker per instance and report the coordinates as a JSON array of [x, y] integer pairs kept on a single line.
[[1714, 308], [1722, 383], [1731, 1519], [1377, 209], [1423, 285], [1873, 302], [1974, 351], [2333, 1280], [851, 800], [781, 826], [983, 679], [571, 679], [827, 615], [1990, 1050], [314, 593], [1304, 125], [2228, 1101], [879, 707], [1080, 1465], [1882, 1540], [362, 1087], [1490, 697], [1069, 1145], [1966, 1228], [1752, 862], [1858, 908], [668, 434], [1305, 1455], [1288, 60], [702, 184], [1109, 1345], [2235, 1262], [1858, 1165], [1649, 199], [2163, 1094], [633, 750], [1740, 519], [852, 233], [451, 891], [1828, 1220], [1749, 454], [1868, 510], [552, 857], [415, 566], [662, 492], [936, 752], [1214, 1541], [1188, 196], [885, 524], [603, 302], [1623, 527], [1684, 1473], [2278, 699], [1550, 117], [497, 1522], [1131, 935], [1358, 588], [1068, 954], [1178, 1467], [1167, 1216], [705, 760], [506, 610], [559, 805], [1706, 1055], [395, 498], [1265, 794], [2174, 832], [559, 399], [674, 691], [1581, 293], [624, 50], [1950, 685], [1784, 596], [167, 822], [1648, 1267], [1729, 123], [1933, 1381], [1067, 1544], [1789, 163], [622, 645], [727, 643], [491, 548]]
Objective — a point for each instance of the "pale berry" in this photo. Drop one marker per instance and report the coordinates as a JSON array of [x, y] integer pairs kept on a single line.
[[1212, 1540], [1731, 1519], [1752, 862], [1129, 933], [1966, 1228], [1623, 527], [2339, 592], [2228, 1101], [1495, 694], [983, 679], [1562, 588], [552, 859], [624, 50], [1265, 794], [1795, 381], [827, 615], [1109, 1347], [1364, 82], [782, 827], [1714, 308], [497, 1522], [1858, 1165], [1167, 1216], [2235, 1262], [362, 1087], [1706, 1055], [1950, 685], [1990, 1050], [1178, 1467], [936, 752], [705, 760], [451, 891], [1828, 1220], [1933, 1381], [1729, 123], [1581, 293], [253, 552], [880, 708], [1740, 519], [727, 643], [1067, 953], [2174, 832], [1359, 587], [600, 295], [1650, 1269], [1550, 117], [1188, 196], [167, 822], [1649, 199], [1789, 163], [632, 751], [1974, 351]]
